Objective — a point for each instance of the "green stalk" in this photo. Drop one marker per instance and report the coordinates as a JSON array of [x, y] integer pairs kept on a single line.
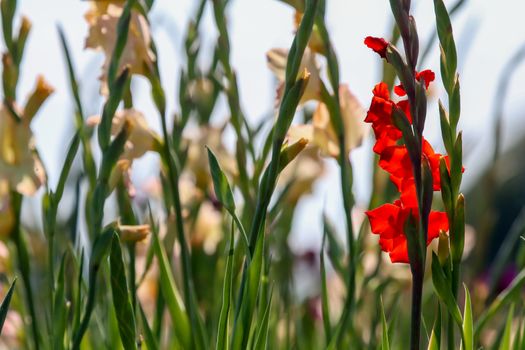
[[169, 159], [24, 266]]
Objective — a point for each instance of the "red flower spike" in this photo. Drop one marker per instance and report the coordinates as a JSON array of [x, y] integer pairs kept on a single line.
[[379, 45]]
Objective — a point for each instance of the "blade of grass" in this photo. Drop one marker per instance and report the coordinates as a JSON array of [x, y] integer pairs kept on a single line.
[[507, 333], [468, 326], [4, 308], [173, 301], [222, 327], [121, 297], [385, 345], [149, 338]]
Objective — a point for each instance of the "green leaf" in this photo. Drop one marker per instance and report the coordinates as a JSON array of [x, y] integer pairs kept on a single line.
[[66, 167], [121, 297], [468, 326], [224, 193], [4, 308], [222, 189], [446, 132], [442, 287], [173, 300], [122, 38], [149, 338], [434, 342], [243, 320], [222, 327], [108, 111], [324, 294], [59, 309], [507, 333], [446, 39], [262, 335], [455, 104], [384, 329], [457, 239]]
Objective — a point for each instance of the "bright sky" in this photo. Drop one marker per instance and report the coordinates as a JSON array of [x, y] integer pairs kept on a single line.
[[487, 33]]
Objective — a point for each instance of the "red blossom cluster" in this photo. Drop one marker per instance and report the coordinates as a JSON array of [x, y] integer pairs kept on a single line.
[[388, 220]]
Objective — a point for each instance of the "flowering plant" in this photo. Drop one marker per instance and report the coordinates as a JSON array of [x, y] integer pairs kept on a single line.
[[178, 221]]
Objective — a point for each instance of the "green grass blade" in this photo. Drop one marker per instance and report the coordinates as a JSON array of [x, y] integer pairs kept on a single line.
[[181, 323], [442, 287], [468, 326], [385, 345], [507, 333], [262, 336], [243, 321], [149, 338], [220, 183], [222, 328], [224, 193], [121, 297], [59, 309], [4, 308], [324, 294]]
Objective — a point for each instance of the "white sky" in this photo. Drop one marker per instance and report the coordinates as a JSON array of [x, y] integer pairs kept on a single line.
[[496, 28]]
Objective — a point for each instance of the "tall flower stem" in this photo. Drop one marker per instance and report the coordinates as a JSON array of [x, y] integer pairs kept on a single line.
[[333, 103]]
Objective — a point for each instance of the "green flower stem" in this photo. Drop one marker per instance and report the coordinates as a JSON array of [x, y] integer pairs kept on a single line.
[[24, 266], [413, 138], [169, 159]]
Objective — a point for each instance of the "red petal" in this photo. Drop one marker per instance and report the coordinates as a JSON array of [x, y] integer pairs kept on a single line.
[[384, 220], [437, 221], [400, 90], [427, 76], [379, 45]]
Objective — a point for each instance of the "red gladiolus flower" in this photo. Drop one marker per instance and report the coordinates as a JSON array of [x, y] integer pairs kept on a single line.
[[379, 45], [396, 161], [388, 222]]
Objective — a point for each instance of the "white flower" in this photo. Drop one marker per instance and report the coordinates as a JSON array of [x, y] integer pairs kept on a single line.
[[19, 163], [102, 19]]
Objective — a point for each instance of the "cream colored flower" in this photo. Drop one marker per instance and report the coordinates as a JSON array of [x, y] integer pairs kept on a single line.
[[102, 18], [19, 163], [133, 233], [277, 58], [322, 135], [141, 139], [197, 159]]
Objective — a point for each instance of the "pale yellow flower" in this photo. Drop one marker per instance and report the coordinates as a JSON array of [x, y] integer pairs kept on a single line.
[[102, 18], [19, 163], [133, 233], [322, 135], [141, 139], [277, 58]]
